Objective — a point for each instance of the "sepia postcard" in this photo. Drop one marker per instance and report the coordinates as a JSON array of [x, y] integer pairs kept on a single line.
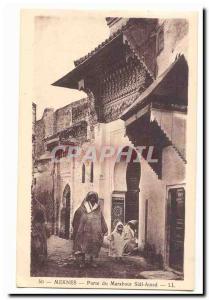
[[107, 147]]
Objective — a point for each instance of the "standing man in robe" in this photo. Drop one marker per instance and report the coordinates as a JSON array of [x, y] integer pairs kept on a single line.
[[89, 228]]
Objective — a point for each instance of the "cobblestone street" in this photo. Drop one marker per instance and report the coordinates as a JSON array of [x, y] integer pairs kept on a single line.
[[62, 264]]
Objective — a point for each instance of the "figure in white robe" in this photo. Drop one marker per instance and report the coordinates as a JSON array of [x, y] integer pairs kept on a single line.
[[117, 241]]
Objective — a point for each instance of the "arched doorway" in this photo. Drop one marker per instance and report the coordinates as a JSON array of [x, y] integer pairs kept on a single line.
[[125, 197], [65, 214]]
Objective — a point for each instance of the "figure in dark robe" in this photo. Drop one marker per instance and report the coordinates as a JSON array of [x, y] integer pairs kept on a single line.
[[89, 228], [131, 245], [38, 236]]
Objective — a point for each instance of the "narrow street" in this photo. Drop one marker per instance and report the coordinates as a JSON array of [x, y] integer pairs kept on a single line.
[[61, 263]]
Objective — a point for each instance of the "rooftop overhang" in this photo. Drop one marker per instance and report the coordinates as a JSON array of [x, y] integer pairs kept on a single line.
[[112, 51], [170, 88], [92, 64]]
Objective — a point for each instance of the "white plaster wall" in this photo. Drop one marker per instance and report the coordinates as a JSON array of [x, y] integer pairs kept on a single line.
[[175, 42], [71, 174], [173, 167], [153, 190], [119, 176], [112, 134]]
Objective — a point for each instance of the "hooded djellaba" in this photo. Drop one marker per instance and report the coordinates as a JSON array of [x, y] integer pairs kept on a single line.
[[117, 241], [89, 228]]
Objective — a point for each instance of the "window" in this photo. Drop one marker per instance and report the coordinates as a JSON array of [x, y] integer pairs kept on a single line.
[[160, 40], [92, 172], [83, 173]]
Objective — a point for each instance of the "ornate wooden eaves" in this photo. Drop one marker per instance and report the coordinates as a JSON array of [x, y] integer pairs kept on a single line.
[[115, 73]]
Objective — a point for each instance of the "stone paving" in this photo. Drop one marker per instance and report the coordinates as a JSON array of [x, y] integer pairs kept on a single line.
[[61, 263], [159, 274]]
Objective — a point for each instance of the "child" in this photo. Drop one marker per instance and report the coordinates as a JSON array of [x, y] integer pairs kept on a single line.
[[117, 241]]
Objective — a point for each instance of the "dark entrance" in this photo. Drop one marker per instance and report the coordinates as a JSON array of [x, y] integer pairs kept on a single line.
[[132, 194], [125, 199], [176, 215], [118, 209], [65, 214]]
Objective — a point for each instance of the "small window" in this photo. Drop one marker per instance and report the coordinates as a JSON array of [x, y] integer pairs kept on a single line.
[[160, 40], [83, 173], [92, 172]]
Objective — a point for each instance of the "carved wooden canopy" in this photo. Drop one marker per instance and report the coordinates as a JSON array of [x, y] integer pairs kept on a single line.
[[169, 90], [116, 72]]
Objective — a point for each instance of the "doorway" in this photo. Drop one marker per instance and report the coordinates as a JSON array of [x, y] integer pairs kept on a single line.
[[176, 227], [65, 214], [132, 195], [125, 197]]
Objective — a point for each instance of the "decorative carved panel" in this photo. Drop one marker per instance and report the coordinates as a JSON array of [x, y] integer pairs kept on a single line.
[[120, 88]]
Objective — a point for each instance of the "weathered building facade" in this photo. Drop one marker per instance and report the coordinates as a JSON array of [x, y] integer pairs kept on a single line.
[[136, 84]]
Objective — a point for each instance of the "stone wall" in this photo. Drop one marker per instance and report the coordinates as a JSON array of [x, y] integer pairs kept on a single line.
[[53, 122], [52, 177], [48, 117], [39, 138], [62, 118]]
